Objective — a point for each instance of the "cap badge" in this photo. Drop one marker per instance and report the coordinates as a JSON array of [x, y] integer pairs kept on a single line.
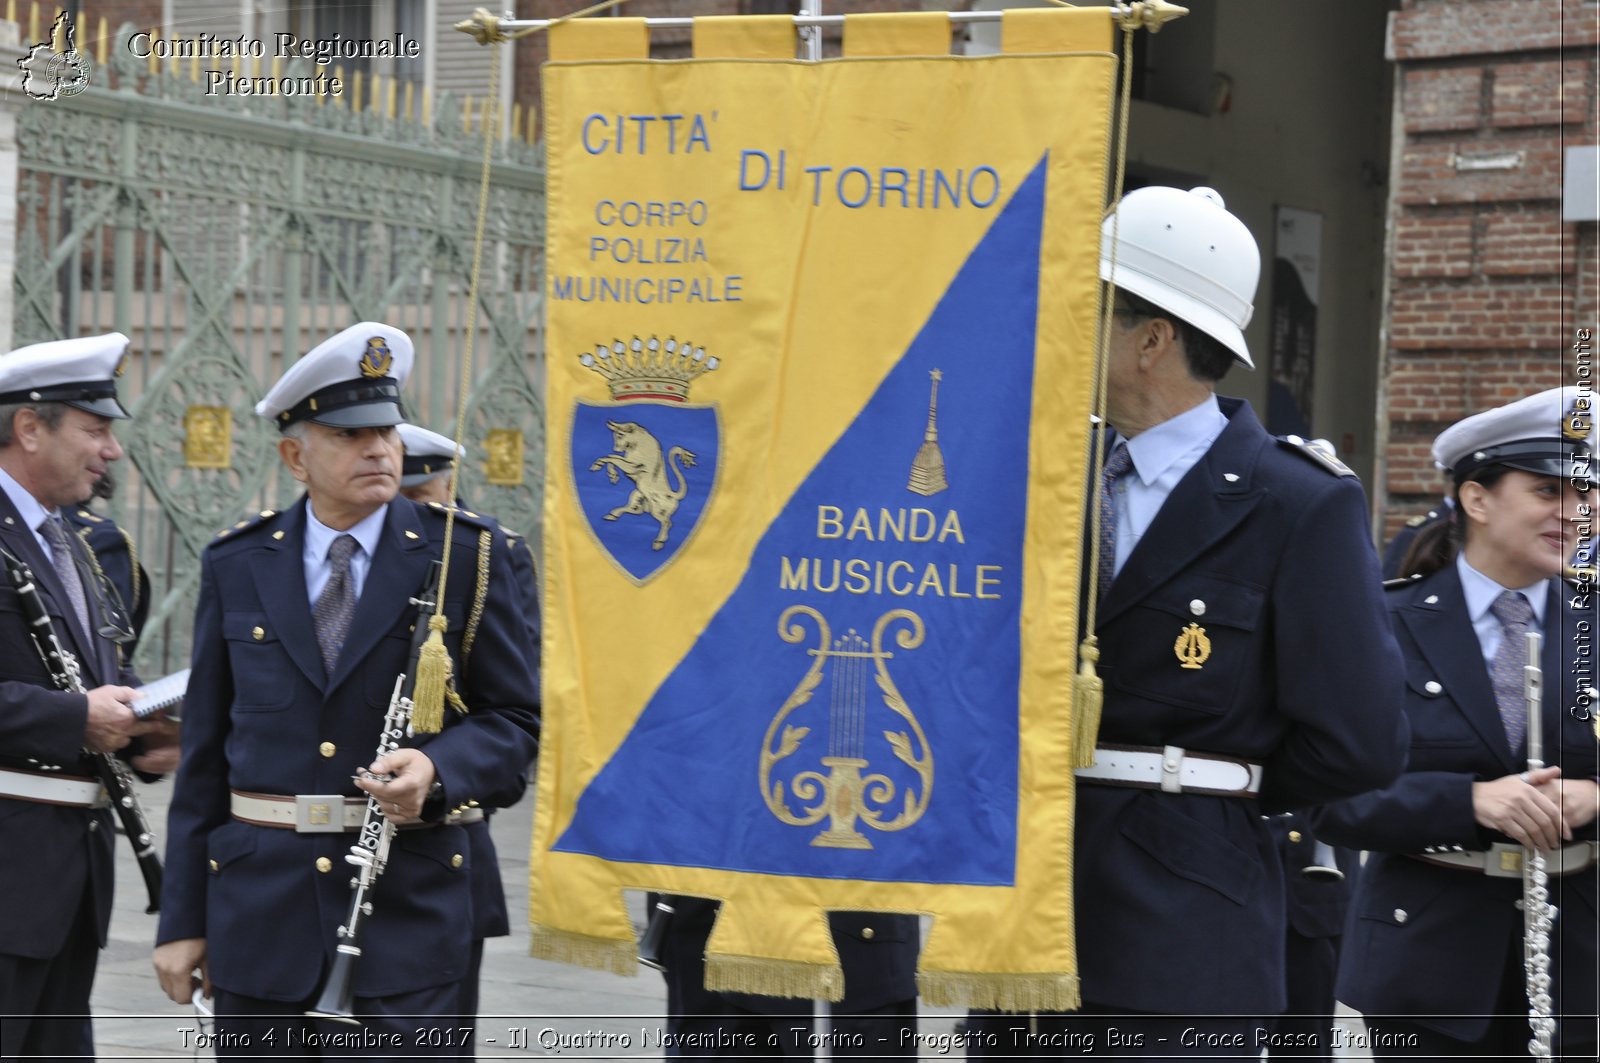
[[376, 359], [1578, 421], [122, 365]]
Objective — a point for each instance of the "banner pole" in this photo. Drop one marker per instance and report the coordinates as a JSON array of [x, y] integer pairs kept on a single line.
[[488, 28], [810, 33]]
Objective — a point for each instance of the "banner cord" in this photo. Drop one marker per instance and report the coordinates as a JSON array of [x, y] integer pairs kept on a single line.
[[1088, 688], [433, 669]]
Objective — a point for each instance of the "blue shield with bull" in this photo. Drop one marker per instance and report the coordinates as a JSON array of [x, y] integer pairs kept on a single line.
[[644, 473]]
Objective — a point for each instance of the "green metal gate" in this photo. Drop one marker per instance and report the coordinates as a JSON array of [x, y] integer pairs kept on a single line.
[[229, 234]]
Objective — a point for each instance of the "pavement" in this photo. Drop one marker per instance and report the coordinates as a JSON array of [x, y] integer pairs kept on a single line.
[[528, 1008]]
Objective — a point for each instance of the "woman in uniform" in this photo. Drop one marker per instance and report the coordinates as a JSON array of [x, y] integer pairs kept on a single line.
[[1433, 953]]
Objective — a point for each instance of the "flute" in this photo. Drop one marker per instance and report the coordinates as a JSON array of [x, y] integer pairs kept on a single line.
[[1538, 914]]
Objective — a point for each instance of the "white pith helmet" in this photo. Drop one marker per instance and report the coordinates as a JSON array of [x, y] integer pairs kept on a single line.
[[1186, 254]]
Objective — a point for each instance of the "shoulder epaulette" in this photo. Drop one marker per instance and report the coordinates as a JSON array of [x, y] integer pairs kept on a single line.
[[89, 515], [463, 516], [246, 524], [1401, 581], [1419, 520], [1320, 452], [1583, 574]]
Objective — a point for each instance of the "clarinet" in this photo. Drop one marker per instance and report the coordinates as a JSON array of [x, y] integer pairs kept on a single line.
[[112, 772], [1538, 914], [370, 853], [655, 932]]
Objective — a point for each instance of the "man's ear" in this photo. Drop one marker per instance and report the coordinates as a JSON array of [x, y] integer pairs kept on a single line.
[[27, 428], [292, 451], [1160, 336]]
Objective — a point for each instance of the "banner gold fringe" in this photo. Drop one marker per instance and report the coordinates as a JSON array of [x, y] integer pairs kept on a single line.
[[584, 950], [1002, 992], [774, 978]]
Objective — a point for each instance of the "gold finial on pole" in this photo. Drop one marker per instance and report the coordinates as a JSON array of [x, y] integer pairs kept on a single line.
[[1151, 15], [483, 27]]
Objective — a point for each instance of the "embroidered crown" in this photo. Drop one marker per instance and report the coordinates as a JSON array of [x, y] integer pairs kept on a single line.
[[649, 369]]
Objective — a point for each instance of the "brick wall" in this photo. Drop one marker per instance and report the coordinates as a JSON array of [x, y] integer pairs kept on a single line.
[[1486, 282]]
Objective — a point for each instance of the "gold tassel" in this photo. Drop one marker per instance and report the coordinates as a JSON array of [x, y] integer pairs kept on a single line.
[[1088, 695], [433, 672]]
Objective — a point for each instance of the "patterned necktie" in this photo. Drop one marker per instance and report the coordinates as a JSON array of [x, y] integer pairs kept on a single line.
[[1506, 673], [55, 531], [1118, 464], [337, 602]]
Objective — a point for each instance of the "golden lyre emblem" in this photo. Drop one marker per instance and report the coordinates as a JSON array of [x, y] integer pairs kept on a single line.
[[376, 359], [845, 670], [1193, 648]]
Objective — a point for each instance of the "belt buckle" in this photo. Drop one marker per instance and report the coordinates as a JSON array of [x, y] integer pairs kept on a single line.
[[1503, 861], [319, 814]]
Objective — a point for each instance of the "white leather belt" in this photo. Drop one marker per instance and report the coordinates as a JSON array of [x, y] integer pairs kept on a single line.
[[1174, 770], [49, 788], [319, 813], [1502, 860]]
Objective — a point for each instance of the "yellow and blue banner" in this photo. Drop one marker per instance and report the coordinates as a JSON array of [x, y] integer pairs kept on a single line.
[[820, 348]]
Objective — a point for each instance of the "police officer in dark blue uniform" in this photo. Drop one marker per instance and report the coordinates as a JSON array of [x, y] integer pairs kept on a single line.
[[303, 626], [1394, 555], [876, 1018], [1434, 949], [57, 404], [430, 461], [1246, 665]]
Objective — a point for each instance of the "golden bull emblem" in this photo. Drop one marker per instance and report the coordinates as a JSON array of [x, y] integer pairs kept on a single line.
[[844, 791]]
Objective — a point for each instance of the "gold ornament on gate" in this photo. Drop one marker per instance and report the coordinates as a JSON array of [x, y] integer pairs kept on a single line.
[[208, 437], [503, 449], [1193, 648], [845, 792]]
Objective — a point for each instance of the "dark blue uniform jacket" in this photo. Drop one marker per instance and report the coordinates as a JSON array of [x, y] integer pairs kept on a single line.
[[1180, 897], [52, 853], [488, 895]]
